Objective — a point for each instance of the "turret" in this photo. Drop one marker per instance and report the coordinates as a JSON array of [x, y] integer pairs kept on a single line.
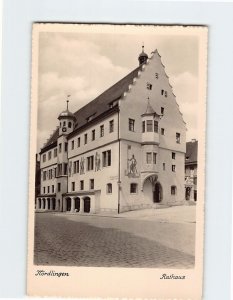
[[67, 121], [142, 58]]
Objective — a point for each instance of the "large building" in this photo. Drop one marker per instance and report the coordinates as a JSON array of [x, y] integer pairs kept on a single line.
[[125, 150], [191, 170]]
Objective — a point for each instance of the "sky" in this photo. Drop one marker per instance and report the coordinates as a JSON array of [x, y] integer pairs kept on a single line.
[[84, 65]]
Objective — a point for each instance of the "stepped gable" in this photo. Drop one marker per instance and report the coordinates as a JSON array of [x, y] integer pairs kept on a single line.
[[191, 152], [100, 104]]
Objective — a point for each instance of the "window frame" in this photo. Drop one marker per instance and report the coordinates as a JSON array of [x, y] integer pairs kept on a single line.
[[131, 125], [136, 186], [109, 187]]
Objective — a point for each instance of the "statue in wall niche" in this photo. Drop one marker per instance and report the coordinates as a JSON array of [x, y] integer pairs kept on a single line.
[[132, 165], [97, 161], [70, 168], [82, 165]]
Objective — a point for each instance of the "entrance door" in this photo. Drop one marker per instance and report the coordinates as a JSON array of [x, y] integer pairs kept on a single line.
[[157, 193], [87, 205], [68, 204]]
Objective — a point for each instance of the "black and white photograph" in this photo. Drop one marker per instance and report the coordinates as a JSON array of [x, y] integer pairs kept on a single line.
[[117, 149]]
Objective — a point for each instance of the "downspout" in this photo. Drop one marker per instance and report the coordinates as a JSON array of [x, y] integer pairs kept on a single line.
[[119, 161]]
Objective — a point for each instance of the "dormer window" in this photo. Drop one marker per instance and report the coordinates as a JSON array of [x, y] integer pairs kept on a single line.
[[113, 103], [91, 117]]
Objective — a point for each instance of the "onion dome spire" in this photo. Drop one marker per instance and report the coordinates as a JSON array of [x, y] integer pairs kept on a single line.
[[142, 58]]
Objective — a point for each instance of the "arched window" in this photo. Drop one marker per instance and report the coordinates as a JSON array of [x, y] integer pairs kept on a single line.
[[109, 188], [69, 124], [173, 190]]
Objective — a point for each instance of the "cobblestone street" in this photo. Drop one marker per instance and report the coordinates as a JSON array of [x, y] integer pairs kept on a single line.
[[98, 241]]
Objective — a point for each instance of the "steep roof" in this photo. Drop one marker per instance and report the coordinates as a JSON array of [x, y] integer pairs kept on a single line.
[[99, 105], [191, 152]]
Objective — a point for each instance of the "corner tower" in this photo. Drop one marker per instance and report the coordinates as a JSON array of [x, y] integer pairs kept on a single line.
[[142, 58]]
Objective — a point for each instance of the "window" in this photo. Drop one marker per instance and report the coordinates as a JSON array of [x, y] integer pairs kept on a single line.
[[143, 126], [55, 152], [133, 188], [55, 172], [109, 188], [149, 86], [59, 148], [48, 189], [59, 187], [91, 184], [81, 185], [173, 155], [164, 166], [195, 180], [76, 166], [52, 188], [131, 124], [173, 190], [60, 124], [173, 168], [44, 189], [64, 123], [162, 92], [154, 158], [162, 131], [93, 135], [72, 145], [78, 142], [69, 124], [44, 175], [106, 158], [50, 155], [178, 138], [101, 130], [149, 126], [73, 186], [148, 157], [156, 126], [162, 110], [90, 163], [111, 126], [157, 75], [65, 169], [165, 94], [59, 169], [44, 157], [66, 147], [85, 138]]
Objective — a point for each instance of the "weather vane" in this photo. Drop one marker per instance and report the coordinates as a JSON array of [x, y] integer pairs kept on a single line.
[[67, 101]]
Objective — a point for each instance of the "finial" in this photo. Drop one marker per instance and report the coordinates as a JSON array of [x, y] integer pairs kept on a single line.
[[67, 101]]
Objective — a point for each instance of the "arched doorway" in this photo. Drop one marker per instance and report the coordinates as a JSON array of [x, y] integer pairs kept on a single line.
[[39, 203], [77, 204], [48, 203], [68, 204], [53, 203], [43, 204], [157, 193], [87, 204], [187, 193]]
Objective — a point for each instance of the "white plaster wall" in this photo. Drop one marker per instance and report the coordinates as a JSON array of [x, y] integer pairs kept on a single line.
[[135, 102]]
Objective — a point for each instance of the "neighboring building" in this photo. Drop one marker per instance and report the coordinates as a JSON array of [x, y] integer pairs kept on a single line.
[[191, 170], [124, 150], [37, 176]]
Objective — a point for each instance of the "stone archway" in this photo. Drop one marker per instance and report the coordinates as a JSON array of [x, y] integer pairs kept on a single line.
[[43, 204], [77, 204], [68, 204], [53, 204], [48, 203], [87, 204], [39, 204]]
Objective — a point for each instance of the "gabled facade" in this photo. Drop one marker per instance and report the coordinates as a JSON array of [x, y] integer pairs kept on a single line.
[[124, 150]]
